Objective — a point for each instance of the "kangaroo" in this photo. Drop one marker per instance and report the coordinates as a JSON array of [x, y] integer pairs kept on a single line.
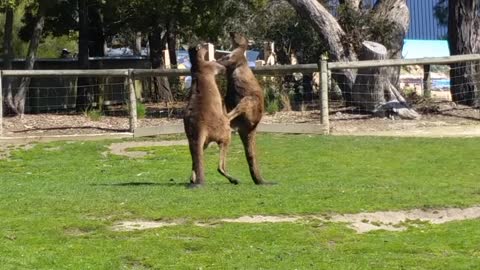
[[244, 101], [205, 119]]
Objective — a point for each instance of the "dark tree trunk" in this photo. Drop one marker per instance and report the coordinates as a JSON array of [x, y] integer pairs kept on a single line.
[[84, 98], [333, 35], [157, 41], [83, 37], [464, 38], [20, 96], [96, 46], [172, 42], [8, 56]]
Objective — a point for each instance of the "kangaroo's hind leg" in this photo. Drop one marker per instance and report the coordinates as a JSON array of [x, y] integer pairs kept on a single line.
[[198, 171], [222, 164]]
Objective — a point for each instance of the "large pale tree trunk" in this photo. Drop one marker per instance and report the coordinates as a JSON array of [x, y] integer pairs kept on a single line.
[[20, 96], [8, 55], [137, 46], [464, 38], [333, 36]]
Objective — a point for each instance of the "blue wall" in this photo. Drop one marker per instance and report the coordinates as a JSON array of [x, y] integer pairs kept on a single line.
[[423, 24]]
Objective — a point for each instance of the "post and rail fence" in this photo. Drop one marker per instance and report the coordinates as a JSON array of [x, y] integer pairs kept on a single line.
[[324, 68]]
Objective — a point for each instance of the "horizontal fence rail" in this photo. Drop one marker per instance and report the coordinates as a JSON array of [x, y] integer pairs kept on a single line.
[[404, 62], [264, 70], [67, 73]]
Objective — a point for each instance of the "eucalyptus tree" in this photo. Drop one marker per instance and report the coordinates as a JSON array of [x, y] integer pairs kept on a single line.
[[8, 8], [38, 10], [349, 37], [464, 38]]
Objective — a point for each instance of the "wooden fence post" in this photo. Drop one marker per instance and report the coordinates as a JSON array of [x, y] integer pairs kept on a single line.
[[211, 52], [166, 57], [427, 81], [1, 104], [323, 65], [132, 101]]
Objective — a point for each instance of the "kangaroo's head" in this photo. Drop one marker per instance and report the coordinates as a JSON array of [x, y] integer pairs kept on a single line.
[[197, 55], [238, 40]]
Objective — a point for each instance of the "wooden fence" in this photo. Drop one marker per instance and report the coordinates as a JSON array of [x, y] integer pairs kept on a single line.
[[323, 67]]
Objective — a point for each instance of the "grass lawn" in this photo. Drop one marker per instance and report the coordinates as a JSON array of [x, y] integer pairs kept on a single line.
[[59, 200]]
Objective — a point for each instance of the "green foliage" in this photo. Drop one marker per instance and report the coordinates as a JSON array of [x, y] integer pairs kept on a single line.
[[93, 114], [441, 12], [141, 110], [52, 46], [19, 47], [361, 25], [292, 34]]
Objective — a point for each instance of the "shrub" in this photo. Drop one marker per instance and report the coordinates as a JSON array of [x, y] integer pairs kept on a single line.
[[141, 110], [93, 114]]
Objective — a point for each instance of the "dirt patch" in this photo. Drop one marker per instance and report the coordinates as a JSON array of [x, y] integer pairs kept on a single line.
[[7, 148], [136, 225], [360, 222], [121, 149]]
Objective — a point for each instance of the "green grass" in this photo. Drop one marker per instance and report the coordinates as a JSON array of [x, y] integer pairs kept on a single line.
[[58, 200]]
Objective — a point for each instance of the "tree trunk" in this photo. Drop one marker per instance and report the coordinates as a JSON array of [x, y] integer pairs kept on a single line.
[[84, 97], [172, 42], [20, 97], [464, 38], [137, 48], [96, 48], [396, 13], [373, 87], [157, 41], [369, 88], [8, 56], [332, 34], [96, 32]]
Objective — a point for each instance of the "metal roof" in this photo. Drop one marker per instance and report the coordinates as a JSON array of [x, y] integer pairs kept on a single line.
[[423, 24]]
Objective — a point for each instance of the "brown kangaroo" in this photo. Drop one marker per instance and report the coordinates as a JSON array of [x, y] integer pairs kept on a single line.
[[205, 119], [244, 101]]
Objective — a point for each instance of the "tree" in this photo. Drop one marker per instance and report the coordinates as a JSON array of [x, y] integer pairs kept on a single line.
[[464, 38], [349, 38], [8, 48], [40, 8]]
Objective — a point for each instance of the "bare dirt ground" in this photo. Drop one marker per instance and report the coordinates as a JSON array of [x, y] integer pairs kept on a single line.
[[439, 119], [360, 222]]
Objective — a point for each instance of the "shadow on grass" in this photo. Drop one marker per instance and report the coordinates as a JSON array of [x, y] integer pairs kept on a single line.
[[139, 184]]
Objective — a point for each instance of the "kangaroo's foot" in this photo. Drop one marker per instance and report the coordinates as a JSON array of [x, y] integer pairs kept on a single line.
[[265, 183], [195, 185]]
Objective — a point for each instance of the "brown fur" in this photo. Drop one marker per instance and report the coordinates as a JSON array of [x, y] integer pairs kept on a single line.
[[244, 101], [205, 119]]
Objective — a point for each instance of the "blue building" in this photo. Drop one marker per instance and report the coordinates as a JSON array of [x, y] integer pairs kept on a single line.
[[423, 24], [426, 36]]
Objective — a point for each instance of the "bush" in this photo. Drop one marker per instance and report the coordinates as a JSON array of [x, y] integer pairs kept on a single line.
[[93, 114], [141, 110]]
